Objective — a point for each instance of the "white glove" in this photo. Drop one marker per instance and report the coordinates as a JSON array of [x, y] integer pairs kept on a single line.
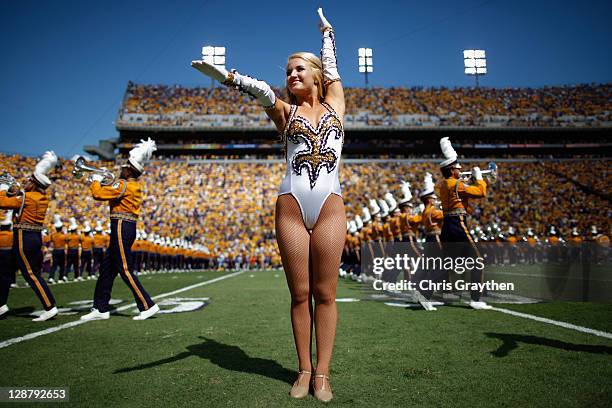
[[4, 187], [323, 24], [328, 50], [252, 86], [476, 173], [215, 72], [96, 177]]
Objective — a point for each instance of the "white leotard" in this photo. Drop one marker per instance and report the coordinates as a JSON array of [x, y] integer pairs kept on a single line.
[[313, 156]]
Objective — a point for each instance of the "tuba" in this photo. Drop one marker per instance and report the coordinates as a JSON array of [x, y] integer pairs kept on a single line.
[[490, 172], [81, 166]]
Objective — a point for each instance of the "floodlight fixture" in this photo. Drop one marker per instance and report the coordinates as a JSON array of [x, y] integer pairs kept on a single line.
[[475, 63], [366, 62], [215, 56]]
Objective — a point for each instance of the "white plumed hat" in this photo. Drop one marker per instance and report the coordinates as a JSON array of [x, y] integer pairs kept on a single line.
[[366, 214], [352, 227], [99, 227], [87, 227], [450, 156], [407, 194], [391, 201], [142, 153], [73, 224], [358, 222], [43, 167], [384, 207], [374, 206], [428, 186], [57, 221]]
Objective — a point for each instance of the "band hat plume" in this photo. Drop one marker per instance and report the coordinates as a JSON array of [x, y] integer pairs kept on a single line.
[[406, 193], [43, 167], [391, 201], [99, 226], [358, 222], [87, 227], [374, 206], [450, 156], [57, 221], [384, 207], [142, 153], [73, 224], [428, 186], [352, 227], [8, 218], [366, 215]]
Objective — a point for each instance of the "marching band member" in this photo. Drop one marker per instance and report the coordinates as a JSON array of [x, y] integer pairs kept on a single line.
[[30, 207], [7, 260], [432, 219], [125, 198], [74, 244], [59, 243], [310, 215], [86, 251], [454, 194]]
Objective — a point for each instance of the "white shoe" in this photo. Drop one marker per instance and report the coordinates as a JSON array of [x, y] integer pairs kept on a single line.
[[95, 314], [427, 305], [3, 309], [479, 305], [47, 314], [14, 285], [145, 314], [80, 279], [51, 281]]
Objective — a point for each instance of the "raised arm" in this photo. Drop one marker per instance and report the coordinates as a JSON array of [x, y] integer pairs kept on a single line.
[[276, 109], [334, 93]]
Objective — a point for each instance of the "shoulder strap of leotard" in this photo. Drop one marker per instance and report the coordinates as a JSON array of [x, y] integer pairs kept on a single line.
[[330, 109], [288, 123]]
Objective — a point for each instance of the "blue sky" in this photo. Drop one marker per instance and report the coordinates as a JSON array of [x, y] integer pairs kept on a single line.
[[65, 64]]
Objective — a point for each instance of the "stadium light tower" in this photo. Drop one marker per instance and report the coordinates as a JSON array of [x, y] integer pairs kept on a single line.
[[214, 56], [366, 64], [475, 63]]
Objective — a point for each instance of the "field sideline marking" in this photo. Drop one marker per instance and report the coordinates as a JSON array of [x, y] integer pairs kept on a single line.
[[50, 330], [556, 323]]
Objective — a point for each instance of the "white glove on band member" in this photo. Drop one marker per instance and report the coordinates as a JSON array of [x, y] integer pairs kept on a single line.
[[476, 173], [96, 177], [328, 51], [252, 86]]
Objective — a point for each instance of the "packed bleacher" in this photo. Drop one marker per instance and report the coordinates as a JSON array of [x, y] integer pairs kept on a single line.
[[563, 106], [229, 208]]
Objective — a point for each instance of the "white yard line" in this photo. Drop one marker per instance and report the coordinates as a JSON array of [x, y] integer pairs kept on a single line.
[[50, 330], [570, 326]]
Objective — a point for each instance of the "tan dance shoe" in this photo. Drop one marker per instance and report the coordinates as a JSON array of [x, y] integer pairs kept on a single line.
[[299, 391], [323, 394]]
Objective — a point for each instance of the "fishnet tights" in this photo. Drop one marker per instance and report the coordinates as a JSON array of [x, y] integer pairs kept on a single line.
[[311, 262]]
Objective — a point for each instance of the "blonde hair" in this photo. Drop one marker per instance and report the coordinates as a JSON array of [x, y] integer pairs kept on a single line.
[[317, 67]]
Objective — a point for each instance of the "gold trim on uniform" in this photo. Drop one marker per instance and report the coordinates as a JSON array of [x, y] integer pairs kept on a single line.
[[124, 216], [455, 213], [28, 227]]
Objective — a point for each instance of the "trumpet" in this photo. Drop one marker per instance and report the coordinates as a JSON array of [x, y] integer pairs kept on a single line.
[[491, 172], [6, 178], [81, 166]]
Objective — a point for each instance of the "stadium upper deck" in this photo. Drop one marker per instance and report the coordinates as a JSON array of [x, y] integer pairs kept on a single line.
[[397, 121]]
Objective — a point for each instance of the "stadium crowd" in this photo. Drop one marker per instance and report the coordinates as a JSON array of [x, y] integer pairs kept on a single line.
[[229, 208], [581, 105]]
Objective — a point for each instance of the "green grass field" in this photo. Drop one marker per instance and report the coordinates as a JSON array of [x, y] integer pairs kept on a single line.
[[238, 351]]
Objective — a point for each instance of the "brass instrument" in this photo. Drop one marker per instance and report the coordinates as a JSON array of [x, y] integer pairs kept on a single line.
[[81, 166], [491, 173], [6, 178]]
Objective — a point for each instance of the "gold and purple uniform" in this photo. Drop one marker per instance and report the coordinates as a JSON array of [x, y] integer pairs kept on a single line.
[[7, 263], [58, 241], [73, 243], [87, 254], [30, 210], [124, 198]]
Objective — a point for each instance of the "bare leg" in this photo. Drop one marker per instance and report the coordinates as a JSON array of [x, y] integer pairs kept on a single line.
[[294, 244], [326, 244]]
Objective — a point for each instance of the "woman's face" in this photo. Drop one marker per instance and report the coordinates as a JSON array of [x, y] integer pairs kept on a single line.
[[300, 77]]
